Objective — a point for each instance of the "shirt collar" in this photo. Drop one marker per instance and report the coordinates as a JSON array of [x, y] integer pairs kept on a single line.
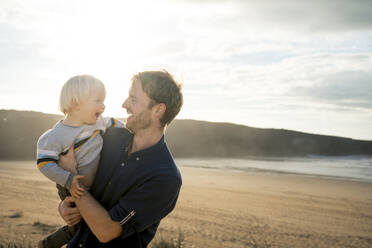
[[152, 149]]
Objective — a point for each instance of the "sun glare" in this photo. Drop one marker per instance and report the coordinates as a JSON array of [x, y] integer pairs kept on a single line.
[[103, 40]]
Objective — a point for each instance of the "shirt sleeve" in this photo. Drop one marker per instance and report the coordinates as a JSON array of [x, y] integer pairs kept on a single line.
[[147, 204], [48, 150], [112, 122]]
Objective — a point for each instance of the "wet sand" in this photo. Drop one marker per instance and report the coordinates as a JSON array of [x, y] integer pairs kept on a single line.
[[216, 208]]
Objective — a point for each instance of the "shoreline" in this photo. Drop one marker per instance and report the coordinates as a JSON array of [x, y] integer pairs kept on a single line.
[[341, 169], [247, 169], [353, 179]]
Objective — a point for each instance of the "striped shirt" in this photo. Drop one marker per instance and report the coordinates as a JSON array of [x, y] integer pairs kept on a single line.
[[87, 140]]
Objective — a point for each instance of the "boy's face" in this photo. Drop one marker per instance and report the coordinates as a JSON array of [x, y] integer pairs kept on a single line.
[[90, 109]]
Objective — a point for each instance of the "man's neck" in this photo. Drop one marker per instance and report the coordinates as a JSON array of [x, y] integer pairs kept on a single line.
[[146, 138]]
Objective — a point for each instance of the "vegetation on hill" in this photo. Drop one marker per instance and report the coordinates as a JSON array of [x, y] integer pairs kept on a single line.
[[190, 138], [20, 130]]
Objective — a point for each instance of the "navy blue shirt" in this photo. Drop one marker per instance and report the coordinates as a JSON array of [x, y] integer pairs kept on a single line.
[[137, 190]]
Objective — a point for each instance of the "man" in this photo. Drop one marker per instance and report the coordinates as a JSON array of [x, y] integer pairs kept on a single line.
[[137, 183]]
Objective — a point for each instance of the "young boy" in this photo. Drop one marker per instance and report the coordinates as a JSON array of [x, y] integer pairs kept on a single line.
[[82, 102]]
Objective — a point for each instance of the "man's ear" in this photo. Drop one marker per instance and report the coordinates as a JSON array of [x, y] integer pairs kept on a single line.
[[159, 110]]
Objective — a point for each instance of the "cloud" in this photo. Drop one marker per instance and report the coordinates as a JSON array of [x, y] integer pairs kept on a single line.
[[320, 15], [315, 16], [346, 88], [333, 82], [264, 63]]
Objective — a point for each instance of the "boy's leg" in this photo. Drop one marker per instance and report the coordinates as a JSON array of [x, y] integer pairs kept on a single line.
[[62, 192], [64, 234], [60, 237]]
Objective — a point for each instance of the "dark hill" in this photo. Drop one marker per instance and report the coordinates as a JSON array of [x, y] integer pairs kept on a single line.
[[19, 131], [199, 138]]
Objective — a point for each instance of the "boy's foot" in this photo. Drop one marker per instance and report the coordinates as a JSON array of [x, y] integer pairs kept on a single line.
[[40, 244]]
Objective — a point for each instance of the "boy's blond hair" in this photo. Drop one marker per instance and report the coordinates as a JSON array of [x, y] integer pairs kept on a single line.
[[78, 89]]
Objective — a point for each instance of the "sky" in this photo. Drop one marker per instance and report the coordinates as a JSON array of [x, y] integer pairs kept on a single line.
[[289, 64]]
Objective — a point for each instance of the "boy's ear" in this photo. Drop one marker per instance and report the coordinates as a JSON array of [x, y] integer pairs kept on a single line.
[[74, 104]]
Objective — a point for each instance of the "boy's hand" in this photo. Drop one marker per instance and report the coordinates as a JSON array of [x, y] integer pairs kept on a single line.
[[76, 188], [68, 161]]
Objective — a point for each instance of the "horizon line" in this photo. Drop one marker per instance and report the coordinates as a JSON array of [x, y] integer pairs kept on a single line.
[[217, 122]]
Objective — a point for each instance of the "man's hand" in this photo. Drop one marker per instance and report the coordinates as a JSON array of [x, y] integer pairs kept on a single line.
[[77, 189], [69, 212], [68, 161]]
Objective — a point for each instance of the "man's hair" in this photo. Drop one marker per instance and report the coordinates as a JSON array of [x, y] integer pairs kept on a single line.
[[161, 87], [78, 89]]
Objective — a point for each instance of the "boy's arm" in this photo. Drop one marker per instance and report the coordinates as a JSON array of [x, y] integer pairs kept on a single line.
[[68, 162], [112, 122], [48, 152], [55, 173]]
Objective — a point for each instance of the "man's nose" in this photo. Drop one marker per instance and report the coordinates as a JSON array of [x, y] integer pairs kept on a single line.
[[125, 104]]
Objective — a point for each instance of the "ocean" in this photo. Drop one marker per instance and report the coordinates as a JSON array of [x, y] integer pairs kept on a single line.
[[347, 167]]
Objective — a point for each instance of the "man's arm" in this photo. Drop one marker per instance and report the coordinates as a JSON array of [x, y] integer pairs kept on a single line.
[[147, 204], [149, 207], [97, 218], [150, 203]]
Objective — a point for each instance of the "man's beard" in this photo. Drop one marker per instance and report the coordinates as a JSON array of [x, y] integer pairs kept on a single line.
[[139, 121]]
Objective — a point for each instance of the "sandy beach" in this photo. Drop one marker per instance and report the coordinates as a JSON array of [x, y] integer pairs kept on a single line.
[[216, 208]]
